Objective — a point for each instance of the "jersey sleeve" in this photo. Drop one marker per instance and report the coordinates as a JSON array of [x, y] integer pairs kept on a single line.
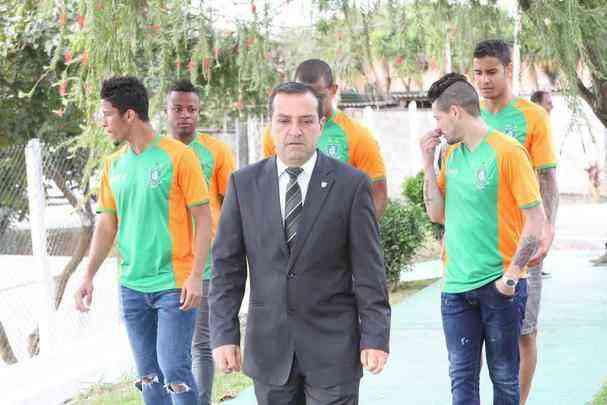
[[106, 201], [269, 148], [225, 166], [441, 179], [191, 180], [367, 157], [541, 147], [522, 178]]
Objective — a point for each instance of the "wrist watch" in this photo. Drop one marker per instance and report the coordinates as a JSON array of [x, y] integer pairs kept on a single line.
[[510, 282]]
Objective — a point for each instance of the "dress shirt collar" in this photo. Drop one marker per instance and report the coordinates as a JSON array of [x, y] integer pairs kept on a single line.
[[307, 167]]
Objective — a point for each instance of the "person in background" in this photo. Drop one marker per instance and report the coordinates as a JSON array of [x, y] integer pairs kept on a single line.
[[217, 163]]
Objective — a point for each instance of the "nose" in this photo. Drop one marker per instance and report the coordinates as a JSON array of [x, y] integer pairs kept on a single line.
[[294, 130]]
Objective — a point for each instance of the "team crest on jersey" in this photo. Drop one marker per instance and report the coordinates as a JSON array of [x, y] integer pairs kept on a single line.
[[154, 178], [481, 178], [333, 150], [510, 131]]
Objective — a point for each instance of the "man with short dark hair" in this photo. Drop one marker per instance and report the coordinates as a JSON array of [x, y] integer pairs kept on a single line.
[[487, 196], [151, 188], [217, 163], [305, 225], [543, 98], [530, 125], [343, 138]]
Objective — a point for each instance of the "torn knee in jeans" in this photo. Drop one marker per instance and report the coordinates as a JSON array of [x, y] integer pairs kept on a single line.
[[178, 388], [146, 381]]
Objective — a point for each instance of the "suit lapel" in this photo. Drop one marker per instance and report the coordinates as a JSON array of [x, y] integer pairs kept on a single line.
[[272, 216], [318, 190]]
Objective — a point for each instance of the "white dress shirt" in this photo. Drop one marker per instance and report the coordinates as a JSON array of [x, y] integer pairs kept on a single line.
[[303, 180]]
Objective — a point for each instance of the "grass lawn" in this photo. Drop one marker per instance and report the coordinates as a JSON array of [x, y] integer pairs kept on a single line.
[[601, 397], [226, 386]]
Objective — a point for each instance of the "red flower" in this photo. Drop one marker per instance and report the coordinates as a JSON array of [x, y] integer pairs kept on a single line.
[[68, 57], [206, 63], [253, 8], [85, 58], [239, 105], [216, 52], [62, 19], [177, 64], [63, 88], [191, 65], [80, 19], [399, 60], [59, 112], [269, 56]]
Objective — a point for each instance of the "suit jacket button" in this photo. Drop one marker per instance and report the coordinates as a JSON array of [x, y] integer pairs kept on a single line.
[[290, 274]]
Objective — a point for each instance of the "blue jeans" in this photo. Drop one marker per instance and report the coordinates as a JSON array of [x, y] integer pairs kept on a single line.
[[202, 356], [477, 317], [161, 336]]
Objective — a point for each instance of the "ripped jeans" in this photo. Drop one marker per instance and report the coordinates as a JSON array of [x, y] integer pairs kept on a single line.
[[477, 317], [161, 337]]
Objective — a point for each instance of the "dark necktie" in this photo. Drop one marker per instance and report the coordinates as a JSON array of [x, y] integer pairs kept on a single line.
[[293, 205]]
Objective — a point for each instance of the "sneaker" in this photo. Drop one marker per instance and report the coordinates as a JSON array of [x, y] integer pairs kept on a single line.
[[546, 274], [599, 261]]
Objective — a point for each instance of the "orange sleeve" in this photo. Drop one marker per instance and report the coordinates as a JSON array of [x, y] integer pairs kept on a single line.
[[521, 178], [106, 201], [367, 157], [540, 146], [440, 178], [191, 180], [268, 143], [225, 166]]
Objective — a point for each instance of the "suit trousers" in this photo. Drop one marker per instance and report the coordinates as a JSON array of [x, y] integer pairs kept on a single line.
[[297, 392]]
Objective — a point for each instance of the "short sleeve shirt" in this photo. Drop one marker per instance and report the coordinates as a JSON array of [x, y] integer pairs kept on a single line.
[[529, 124], [485, 191], [217, 163], [150, 194]]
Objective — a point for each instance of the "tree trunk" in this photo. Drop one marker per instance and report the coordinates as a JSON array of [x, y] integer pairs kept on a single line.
[[6, 351]]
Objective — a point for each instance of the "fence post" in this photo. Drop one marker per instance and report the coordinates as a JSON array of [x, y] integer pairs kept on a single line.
[[37, 203], [242, 139], [413, 121]]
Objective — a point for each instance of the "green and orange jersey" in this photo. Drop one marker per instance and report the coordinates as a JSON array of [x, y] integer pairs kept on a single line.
[[217, 163], [346, 140], [151, 193], [485, 192], [529, 124]]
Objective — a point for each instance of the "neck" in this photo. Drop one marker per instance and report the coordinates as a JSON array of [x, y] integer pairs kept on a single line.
[[186, 139], [295, 162], [475, 132], [498, 103], [140, 137]]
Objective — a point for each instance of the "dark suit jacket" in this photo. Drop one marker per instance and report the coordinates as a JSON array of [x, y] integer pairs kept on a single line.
[[325, 301]]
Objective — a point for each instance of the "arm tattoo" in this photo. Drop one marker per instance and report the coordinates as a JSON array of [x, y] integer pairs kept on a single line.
[[549, 192], [527, 247], [427, 197]]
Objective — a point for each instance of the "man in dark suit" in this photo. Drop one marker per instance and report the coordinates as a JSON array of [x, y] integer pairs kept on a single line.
[[318, 306]]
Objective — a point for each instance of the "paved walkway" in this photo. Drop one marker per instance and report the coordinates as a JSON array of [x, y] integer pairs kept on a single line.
[[572, 342]]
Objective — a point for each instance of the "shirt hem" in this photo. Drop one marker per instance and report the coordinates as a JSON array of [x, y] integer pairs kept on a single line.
[[530, 205], [198, 203], [546, 166]]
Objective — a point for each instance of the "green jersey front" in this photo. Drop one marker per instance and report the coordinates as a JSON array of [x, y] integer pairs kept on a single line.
[[150, 194], [485, 190]]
